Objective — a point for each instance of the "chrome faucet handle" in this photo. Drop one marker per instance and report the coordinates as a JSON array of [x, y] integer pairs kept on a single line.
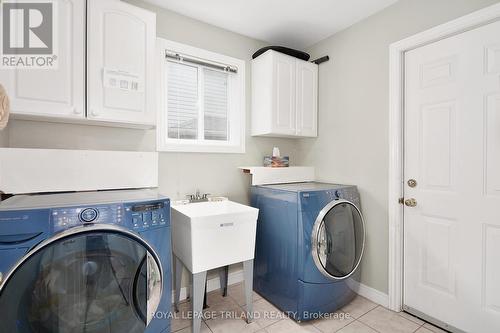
[[205, 195]]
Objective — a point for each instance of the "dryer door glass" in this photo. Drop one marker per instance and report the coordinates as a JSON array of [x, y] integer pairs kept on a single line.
[[91, 282], [338, 239]]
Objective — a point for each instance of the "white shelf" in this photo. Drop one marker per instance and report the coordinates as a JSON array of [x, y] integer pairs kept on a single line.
[[266, 175], [60, 170]]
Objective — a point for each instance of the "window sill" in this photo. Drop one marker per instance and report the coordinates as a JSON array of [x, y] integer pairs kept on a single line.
[[198, 148]]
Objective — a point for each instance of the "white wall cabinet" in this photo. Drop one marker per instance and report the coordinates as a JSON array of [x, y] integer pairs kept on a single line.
[[55, 92], [110, 45], [284, 96], [120, 58]]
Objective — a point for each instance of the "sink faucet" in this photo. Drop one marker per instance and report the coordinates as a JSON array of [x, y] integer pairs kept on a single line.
[[197, 197]]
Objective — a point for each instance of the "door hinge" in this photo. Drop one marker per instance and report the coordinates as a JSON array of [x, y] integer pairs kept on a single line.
[[401, 201]]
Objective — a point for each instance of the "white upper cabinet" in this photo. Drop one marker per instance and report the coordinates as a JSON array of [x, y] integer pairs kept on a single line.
[[119, 40], [120, 59], [54, 93], [284, 96]]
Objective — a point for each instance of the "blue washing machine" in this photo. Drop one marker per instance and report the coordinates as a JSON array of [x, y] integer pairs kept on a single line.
[[89, 262], [310, 242]]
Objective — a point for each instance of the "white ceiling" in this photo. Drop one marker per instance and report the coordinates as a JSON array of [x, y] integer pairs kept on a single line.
[[292, 23]]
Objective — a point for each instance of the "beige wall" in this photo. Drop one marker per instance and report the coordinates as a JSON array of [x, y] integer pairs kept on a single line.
[[353, 141], [4, 138], [36, 134]]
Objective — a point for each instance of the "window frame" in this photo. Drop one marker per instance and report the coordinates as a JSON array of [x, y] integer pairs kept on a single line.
[[236, 103]]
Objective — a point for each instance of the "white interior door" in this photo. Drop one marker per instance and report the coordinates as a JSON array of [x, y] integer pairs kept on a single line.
[[452, 150]]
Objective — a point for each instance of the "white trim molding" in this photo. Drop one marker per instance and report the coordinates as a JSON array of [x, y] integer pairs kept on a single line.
[[374, 295], [396, 134]]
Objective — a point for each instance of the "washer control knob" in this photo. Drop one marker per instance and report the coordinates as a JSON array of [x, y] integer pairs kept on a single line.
[[337, 194], [88, 215]]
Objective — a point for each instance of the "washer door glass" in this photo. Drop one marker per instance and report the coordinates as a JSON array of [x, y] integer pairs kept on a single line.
[[338, 239], [92, 282]]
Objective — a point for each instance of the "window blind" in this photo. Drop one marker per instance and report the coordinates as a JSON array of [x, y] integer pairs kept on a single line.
[[215, 105], [182, 101]]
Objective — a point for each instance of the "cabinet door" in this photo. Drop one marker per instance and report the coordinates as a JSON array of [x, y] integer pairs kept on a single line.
[[120, 59], [54, 92], [283, 113], [307, 98]]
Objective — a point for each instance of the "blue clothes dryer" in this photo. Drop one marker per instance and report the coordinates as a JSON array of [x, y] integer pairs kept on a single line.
[[89, 262], [310, 242]]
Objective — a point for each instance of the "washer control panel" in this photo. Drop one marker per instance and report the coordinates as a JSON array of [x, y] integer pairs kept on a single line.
[[145, 216], [137, 216]]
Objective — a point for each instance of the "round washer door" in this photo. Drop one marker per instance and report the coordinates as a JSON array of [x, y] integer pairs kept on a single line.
[[91, 279], [338, 239]]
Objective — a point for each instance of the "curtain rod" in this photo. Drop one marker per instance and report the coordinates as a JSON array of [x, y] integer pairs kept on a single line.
[[195, 61]]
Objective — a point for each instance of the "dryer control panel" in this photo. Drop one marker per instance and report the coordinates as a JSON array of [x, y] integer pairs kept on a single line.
[[137, 216]]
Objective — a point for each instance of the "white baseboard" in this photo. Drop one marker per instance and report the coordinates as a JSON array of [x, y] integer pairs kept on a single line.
[[374, 295], [214, 283], [370, 293]]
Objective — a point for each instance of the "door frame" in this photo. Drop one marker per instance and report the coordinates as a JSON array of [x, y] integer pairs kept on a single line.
[[397, 52]]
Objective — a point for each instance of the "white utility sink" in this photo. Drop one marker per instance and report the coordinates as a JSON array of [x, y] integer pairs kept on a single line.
[[208, 235]]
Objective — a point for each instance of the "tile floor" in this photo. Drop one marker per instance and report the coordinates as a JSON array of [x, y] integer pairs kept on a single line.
[[225, 315]]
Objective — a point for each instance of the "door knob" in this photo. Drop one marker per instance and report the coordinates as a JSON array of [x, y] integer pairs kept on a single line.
[[411, 202], [412, 183]]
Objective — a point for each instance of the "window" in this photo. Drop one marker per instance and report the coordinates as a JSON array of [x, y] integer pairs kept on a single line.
[[203, 101]]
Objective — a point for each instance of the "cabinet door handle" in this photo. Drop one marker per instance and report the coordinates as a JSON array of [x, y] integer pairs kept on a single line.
[[77, 111], [94, 113]]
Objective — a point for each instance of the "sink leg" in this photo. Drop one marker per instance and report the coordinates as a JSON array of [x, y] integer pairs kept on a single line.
[[248, 274], [197, 300], [190, 287], [179, 267], [223, 275], [205, 304]]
